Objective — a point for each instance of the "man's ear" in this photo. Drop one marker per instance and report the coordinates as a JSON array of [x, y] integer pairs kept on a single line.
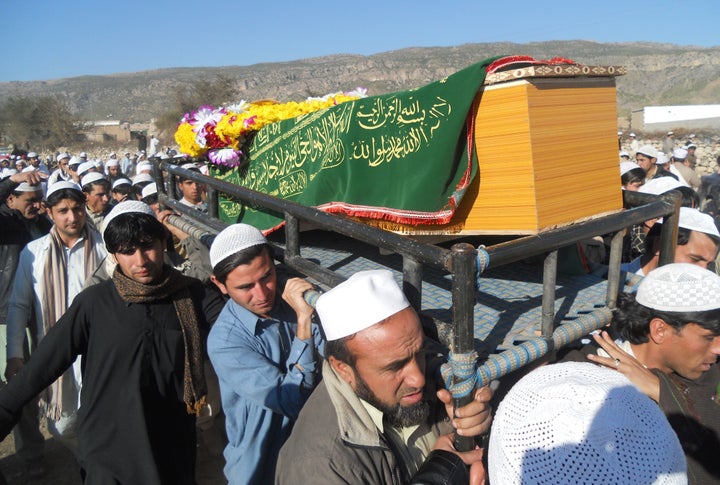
[[344, 370], [217, 283], [659, 330]]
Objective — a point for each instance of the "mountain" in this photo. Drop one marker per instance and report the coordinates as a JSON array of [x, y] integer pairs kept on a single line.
[[657, 74]]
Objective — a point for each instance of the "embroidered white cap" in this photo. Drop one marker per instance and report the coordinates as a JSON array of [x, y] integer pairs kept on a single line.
[[577, 422], [234, 239], [90, 178], [143, 177], [126, 207], [149, 189], [662, 159], [680, 154], [680, 287], [660, 185], [696, 220], [26, 187], [627, 165], [143, 166], [363, 300], [84, 167], [61, 185], [648, 151], [121, 181]]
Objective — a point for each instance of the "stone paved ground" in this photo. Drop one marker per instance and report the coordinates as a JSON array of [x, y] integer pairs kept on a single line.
[[62, 469]]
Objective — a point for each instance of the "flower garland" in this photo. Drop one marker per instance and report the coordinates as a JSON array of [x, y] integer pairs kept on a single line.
[[219, 132]]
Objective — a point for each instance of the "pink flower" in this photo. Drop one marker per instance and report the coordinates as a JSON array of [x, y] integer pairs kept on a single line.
[[227, 157]]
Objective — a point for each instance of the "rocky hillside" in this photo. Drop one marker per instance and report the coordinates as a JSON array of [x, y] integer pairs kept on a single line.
[[658, 74]]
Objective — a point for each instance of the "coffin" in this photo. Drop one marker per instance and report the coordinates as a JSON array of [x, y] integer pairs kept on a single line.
[[547, 153]]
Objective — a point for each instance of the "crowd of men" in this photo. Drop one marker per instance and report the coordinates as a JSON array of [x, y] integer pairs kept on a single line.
[[131, 339]]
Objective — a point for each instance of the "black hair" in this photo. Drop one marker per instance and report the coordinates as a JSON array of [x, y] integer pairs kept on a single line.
[[124, 189], [132, 230], [150, 199], [690, 198], [631, 320], [631, 176], [62, 194], [222, 269], [104, 182], [182, 179], [339, 349]]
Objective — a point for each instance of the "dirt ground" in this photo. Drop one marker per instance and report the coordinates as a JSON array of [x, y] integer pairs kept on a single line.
[[62, 469]]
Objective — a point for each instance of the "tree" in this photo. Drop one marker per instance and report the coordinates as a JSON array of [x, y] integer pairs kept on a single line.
[[219, 91], [42, 123]]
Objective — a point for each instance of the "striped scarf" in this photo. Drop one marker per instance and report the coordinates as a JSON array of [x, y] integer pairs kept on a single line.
[[55, 297], [174, 285]]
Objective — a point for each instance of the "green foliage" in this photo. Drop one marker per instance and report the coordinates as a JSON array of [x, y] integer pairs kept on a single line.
[[43, 123]]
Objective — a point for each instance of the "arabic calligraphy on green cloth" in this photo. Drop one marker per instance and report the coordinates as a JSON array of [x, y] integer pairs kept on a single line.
[[404, 157]]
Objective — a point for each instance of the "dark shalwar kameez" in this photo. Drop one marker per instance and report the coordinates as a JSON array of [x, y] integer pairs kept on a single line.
[[133, 424]]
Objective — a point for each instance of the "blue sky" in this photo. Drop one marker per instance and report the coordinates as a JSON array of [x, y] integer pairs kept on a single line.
[[51, 39]]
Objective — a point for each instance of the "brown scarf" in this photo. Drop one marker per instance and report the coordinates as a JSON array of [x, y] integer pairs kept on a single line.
[[174, 285], [55, 296]]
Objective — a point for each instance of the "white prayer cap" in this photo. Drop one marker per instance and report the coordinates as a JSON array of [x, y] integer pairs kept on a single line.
[[126, 207], [695, 220], [29, 168], [189, 166], [90, 178], [690, 145], [149, 189], [84, 167], [26, 187], [662, 159], [74, 161], [32, 155], [83, 155], [62, 156], [660, 185], [112, 154], [143, 166], [234, 239], [143, 177], [680, 287], [627, 165], [692, 135], [648, 151], [577, 422], [112, 163], [363, 300], [671, 133], [60, 186], [632, 134], [121, 181], [680, 154], [623, 153]]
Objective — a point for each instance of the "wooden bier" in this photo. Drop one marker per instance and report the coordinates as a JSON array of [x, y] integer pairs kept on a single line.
[[547, 151]]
